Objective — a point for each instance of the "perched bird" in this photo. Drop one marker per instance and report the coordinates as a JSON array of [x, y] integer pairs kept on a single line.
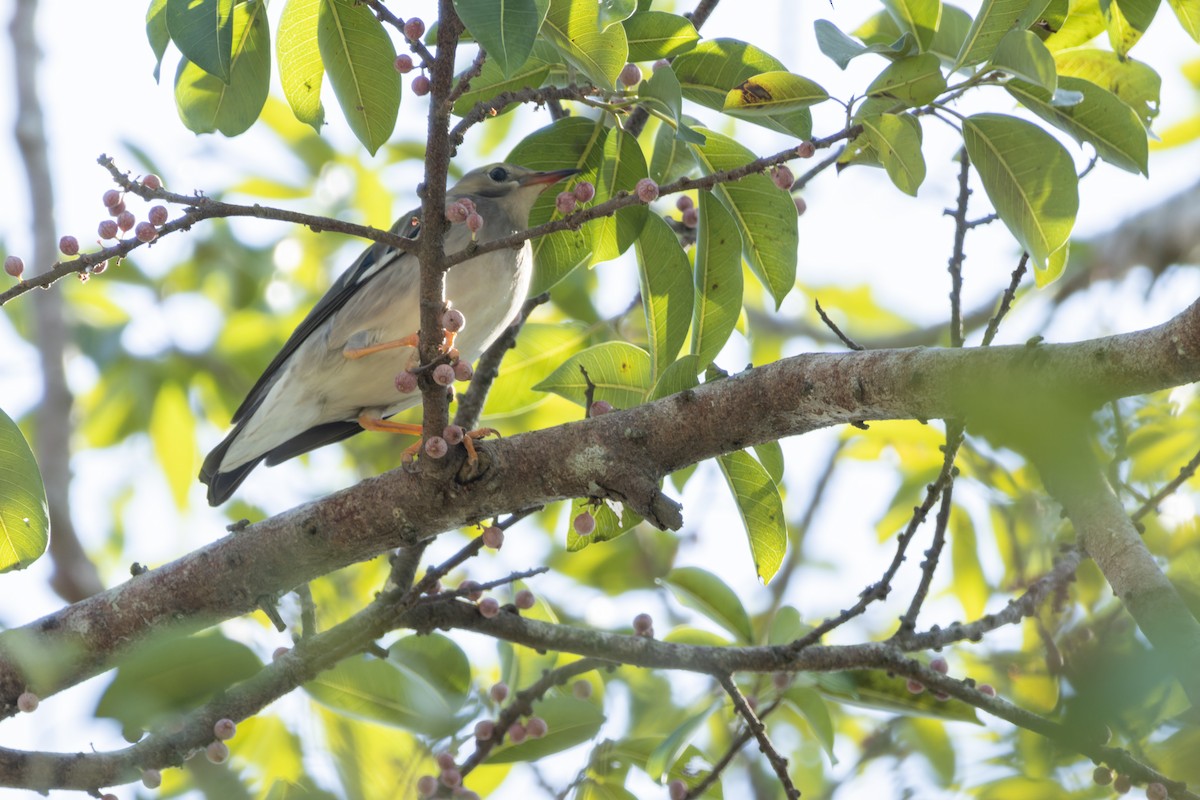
[[336, 374]]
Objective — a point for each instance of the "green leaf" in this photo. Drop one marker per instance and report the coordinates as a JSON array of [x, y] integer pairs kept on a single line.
[[573, 142], [715, 66], [896, 139], [207, 103], [666, 281], [969, 585], [918, 17], [172, 431], [662, 91], [203, 32], [1134, 82], [773, 93], [491, 81], [1127, 20], [573, 27], [157, 32], [677, 377], [656, 34], [608, 525], [1030, 179], [672, 159], [786, 626], [359, 58], [614, 11], [770, 455], [569, 720], [913, 81], [301, 70], [539, 350], [842, 49], [1188, 12], [666, 754], [24, 515], [623, 166], [995, 19], [436, 662], [761, 507], [812, 706], [1022, 55], [506, 29], [718, 280], [1100, 119], [702, 591], [620, 372], [875, 689], [765, 215], [172, 675]]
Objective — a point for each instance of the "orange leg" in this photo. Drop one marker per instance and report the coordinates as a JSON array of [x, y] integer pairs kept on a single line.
[[412, 340], [469, 441], [386, 425]]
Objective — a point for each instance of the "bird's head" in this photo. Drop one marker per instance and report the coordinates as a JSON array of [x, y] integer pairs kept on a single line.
[[514, 188]]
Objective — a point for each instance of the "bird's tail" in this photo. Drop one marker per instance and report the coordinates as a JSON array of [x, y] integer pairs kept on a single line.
[[222, 483]]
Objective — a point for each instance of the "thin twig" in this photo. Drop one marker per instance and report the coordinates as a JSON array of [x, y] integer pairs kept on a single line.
[[817, 169], [1006, 300], [846, 340], [778, 762], [958, 256], [929, 565], [544, 95], [1185, 473], [471, 73]]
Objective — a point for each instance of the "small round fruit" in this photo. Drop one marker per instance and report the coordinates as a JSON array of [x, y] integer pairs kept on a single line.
[[152, 181], [68, 245], [783, 177], [499, 692], [151, 778], [806, 150], [691, 218], [642, 623], [280, 652], [677, 789], [536, 727], [451, 778], [565, 202], [117, 210], [684, 202], [217, 752], [436, 447], [406, 382], [157, 215], [988, 689], [631, 75], [524, 600], [660, 64], [600, 408], [584, 524], [403, 63], [914, 686], [647, 190], [467, 203], [453, 320], [472, 588], [126, 220], [427, 786], [27, 702], [453, 434], [414, 29], [421, 85], [443, 374], [1122, 784], [939, 665], [474, 222], [111, 198], [1156, 791], [581, 689], [584, 191], [145, 232], [1102, 776], [463, 371], [445, 760], [489, 607], [493, 537], [107, 229], [484, 729], [14, 266], [224, 729], [801, 206], [517, 733], [457, 212]]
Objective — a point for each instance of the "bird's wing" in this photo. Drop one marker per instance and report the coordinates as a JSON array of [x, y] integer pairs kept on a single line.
[[373, 261]]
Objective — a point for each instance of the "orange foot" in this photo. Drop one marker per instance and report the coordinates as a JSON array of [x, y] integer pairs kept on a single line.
[[412, 340]]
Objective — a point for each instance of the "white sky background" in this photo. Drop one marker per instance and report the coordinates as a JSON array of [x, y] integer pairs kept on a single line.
[[98, 91]]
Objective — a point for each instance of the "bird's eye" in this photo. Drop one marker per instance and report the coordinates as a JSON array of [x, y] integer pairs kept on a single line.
[[498, 174]]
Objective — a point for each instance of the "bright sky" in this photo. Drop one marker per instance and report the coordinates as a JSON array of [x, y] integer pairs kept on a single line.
[[99, 93]]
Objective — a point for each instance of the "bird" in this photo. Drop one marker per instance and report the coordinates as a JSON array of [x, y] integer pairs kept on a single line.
[[335, 376]]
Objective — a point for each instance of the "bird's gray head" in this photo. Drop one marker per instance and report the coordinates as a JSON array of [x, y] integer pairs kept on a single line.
[[514, 188]]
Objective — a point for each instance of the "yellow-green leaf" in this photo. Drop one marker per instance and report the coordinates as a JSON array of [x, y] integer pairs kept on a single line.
[[1127, 20], [619, 371], [300, 67], [24, 515], [918, 17], [505, 28], [358, 56], [995, 19], [896, 142], [761, 507], [913, 81], [773, 93], [656, 34], [573, 27], [1022, 55], [718, 279], [1129, 79], [206, 103], [666, 281], [1188, 12], [203, 30], [702, 591]]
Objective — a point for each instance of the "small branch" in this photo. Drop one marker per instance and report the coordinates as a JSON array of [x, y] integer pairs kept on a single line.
[[490, 108], [958, 256], [846, 340], [385, 15], [778, 762], [929, 565], [464, 80], [1006, 300], [1185, 473], [470, 404], [817, 169]]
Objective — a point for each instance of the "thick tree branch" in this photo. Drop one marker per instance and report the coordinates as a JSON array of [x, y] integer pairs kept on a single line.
[[621, 456]]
